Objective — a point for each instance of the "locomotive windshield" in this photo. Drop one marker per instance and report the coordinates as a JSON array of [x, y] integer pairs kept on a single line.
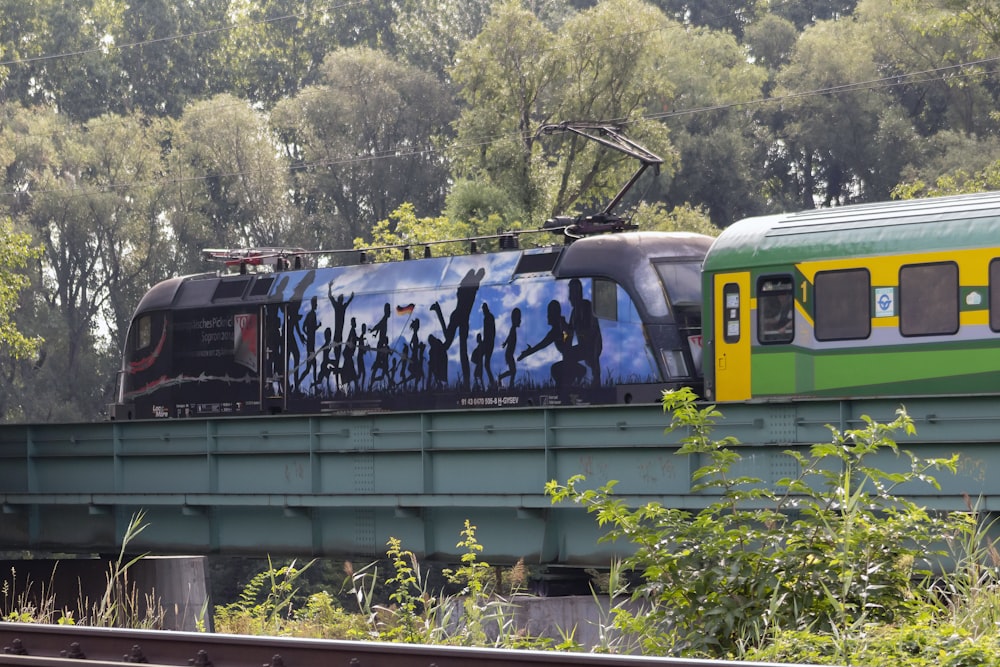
[[682, 280]]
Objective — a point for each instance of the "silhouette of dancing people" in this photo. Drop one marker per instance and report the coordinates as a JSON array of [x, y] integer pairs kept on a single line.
[[415, 369], [510, 348], [275, 344], [458, 322], [562, 372], [339, 315], [348, 372], [310, 326], [437, 363], [293, 334], [380, 330], [363, 349], [477, 362], [489, 341], [327, 368], [293, 326], [585, 332]]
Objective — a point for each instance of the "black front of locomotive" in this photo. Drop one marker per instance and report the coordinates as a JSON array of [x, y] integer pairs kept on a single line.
[[193, 349], [661, 274]]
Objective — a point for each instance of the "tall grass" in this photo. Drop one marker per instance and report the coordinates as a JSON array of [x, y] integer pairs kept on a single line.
[[120, 604]]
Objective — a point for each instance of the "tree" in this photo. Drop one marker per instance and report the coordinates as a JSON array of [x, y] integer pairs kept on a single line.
[[15, 254], [950, 163], [982, 16], [719, 147], [274, 48], [168, 53], [804, 13], [616, 74], [88, 195], [604, 65], [403, 228], [836, 142], [428, 33], [941, 86], [229, 181], [365, 141], [722, 15], [57, 53], [502, 76], [684, 218], [771, 40]]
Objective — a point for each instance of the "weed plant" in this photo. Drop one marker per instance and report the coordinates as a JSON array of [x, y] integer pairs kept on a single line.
[[831, 551], [22, 604], [478, 615], [120, 605]]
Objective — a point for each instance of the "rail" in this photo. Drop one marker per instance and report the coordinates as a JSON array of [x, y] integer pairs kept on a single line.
[[38, 645]]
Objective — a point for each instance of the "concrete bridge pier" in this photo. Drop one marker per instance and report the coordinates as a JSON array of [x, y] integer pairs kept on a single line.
[[171, 588]]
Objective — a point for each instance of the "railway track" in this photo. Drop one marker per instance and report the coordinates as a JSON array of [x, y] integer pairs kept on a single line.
[[36, 645]]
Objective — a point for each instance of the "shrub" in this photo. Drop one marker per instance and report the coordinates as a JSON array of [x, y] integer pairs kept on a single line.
[[831, 550]]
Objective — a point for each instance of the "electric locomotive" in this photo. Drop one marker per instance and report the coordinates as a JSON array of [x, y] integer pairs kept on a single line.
[[608, 318], [873, 300]]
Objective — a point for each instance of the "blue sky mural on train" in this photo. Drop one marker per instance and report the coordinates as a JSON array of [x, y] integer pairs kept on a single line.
[[466, 324]]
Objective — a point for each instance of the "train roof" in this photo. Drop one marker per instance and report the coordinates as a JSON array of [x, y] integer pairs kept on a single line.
[[915, 225], [623, 257]]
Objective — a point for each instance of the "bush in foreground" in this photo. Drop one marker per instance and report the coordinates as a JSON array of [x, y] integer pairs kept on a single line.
[[832, 551]]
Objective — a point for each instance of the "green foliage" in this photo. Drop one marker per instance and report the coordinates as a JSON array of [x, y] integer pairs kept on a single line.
[[266, 603], [476, 614], [231, 204], [925, 644], [967, 595], [686, 218], [21, 603], [484, 615], [832, 549], [957, 182], [403, 229], [362, 140], [322, 617], [122, 605], [15, 254], [412, 606]]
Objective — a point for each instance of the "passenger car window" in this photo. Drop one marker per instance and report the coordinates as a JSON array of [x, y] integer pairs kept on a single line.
[[775, 309], [928, 299], [994, 291], [731, 313], [842, 305]]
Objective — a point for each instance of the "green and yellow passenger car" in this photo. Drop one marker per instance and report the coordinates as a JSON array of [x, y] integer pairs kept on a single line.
[[888, 299]]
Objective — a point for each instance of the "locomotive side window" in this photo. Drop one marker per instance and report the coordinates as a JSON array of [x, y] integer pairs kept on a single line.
[[775, 309], [144, 332], [230, 289], [682, 280], [928, 299], [605, 299], [994, 290], [536, 262], [262, 286], [843, 305]]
